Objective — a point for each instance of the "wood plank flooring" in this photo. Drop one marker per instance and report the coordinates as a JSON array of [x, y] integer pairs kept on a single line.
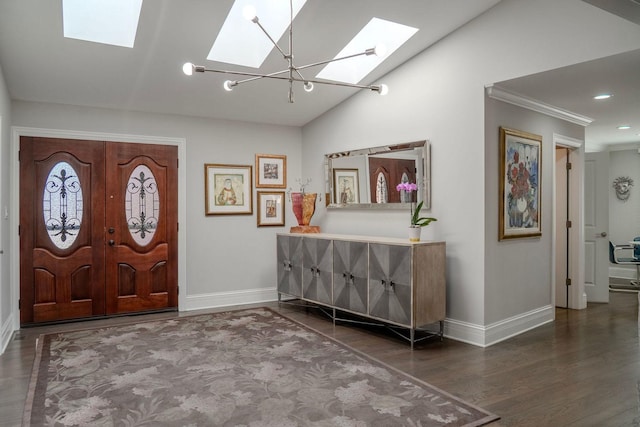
[[581, 370]]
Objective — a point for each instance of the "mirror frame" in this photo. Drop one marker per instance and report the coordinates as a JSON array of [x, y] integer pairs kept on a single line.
[[424, 183]]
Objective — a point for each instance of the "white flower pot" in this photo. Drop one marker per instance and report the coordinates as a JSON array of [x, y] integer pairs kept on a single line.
[[414, 234]]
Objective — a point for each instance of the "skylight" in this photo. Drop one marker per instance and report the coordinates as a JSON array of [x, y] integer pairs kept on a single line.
[[377, 32], [113, 22], [241, 42]]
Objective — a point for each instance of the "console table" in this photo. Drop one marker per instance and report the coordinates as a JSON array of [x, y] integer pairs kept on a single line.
[[392, 282]]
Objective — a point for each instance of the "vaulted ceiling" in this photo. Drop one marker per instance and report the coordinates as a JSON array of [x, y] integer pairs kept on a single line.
[[40, 65]]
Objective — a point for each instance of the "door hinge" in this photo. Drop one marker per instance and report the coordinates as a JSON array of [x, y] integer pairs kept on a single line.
[[177, 163], [19, 155], [177, 226], [18, 230], [569, 225], [569, 166], [19, 304], [568, 282]]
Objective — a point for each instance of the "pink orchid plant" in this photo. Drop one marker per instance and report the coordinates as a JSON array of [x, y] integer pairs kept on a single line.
[[416, 219]]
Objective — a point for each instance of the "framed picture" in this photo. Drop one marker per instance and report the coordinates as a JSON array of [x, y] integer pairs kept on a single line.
[[227, 189], [346, 188], [270, 208], [520, 189], [271, 171]]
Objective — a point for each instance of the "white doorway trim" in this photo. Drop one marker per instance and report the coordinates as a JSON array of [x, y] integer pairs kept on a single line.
[[14, 197], [577, 299]]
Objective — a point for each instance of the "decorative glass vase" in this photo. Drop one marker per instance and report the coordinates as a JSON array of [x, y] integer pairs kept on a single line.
[[414, 233], [304, 206]]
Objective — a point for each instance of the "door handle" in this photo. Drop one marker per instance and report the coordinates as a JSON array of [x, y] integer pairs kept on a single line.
[[603, 234], [112, 242], [112, 230]]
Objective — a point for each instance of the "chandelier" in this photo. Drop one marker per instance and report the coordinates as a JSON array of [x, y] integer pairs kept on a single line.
[[292, 73]]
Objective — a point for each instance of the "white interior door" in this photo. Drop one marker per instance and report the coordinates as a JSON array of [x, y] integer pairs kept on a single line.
[[562, 196], [596, 226]]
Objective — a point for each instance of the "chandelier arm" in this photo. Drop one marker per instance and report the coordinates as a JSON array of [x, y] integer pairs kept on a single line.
[[262, 76], [274, 76], [243, 73], [315, 64], [290, 57], [343, 84], [270, 38]]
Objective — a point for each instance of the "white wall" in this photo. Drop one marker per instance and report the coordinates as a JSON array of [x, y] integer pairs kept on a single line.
[[439, 95], [6, 326], [624, 216], [229, 259], [518, 276]]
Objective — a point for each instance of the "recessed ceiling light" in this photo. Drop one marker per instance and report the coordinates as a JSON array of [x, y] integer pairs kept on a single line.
[[603, 96], [624, 127], [113, 22]]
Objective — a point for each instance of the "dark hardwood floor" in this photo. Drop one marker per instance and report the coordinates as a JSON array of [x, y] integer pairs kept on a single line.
[[581, 370]]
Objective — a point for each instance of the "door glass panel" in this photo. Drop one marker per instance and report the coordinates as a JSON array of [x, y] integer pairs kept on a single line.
[[405, 196], [142, 205], [62, 205], [381, 189]]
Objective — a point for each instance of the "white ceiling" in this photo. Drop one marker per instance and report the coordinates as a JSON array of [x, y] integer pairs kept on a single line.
[[40, 65], [572, 88]]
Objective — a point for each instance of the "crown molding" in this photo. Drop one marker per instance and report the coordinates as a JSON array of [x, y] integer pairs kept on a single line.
[[500, 94]]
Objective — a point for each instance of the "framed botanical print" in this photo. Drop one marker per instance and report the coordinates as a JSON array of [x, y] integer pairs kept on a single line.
[[270, 208], [520, 188], [228, 189], [271, 171], [346, 187]]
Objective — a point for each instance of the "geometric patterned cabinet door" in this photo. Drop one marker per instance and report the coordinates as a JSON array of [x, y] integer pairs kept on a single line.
[[387, 280], [350, 275], [390, 282], [289, 255], [316, 274]]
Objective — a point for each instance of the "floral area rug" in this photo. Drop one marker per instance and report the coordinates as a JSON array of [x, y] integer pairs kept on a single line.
[[239, 368]]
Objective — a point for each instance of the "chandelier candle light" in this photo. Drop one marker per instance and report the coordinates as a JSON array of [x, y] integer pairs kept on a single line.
[[292, 73], [417, 222]]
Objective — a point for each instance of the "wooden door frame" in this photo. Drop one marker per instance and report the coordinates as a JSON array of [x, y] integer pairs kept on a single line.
[[14, 220], [576, 212]]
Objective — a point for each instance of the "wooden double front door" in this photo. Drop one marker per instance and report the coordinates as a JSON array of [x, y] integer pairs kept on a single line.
[[98, 228]]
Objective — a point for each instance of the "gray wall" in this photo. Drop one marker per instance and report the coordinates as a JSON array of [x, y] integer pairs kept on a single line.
[[439, 95], [624, 217], [5, 289], [224, 253], [518, 271]]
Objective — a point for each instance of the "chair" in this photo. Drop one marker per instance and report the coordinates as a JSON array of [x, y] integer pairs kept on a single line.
[[634, 260]]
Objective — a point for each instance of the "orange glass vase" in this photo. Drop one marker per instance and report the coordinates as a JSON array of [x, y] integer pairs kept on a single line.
[[304, 206]]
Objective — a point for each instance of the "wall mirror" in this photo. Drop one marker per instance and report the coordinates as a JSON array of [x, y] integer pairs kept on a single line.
[[367, 178]]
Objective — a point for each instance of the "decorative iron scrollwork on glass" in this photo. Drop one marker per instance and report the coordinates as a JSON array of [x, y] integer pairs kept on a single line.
[[142, 204], [62, 205], [382, 189]]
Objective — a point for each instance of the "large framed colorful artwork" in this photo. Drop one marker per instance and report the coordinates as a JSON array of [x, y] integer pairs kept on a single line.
[[520, 187]]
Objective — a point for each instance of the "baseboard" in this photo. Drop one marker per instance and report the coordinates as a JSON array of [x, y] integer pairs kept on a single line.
[[484, 336], [6, 332], [226, 299]]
